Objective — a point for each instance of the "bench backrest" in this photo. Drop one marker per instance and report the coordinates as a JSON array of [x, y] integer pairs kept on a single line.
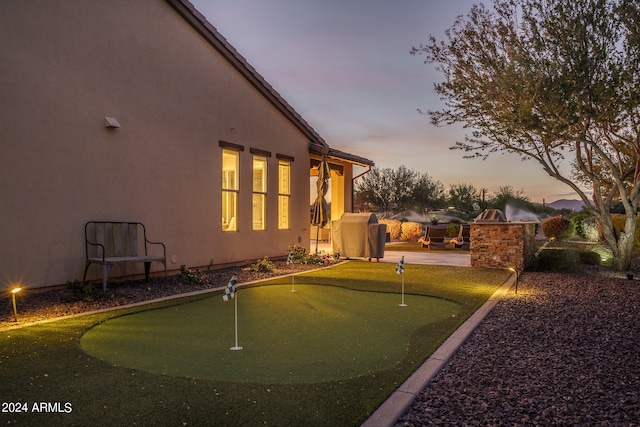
[[117, 238], [436, 234], [465, 232]]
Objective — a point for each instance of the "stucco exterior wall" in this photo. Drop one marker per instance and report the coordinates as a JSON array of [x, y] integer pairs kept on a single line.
[[64, 66], [502, 244]]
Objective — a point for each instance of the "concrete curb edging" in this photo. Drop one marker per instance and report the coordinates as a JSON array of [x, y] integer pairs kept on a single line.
[[388, 414]]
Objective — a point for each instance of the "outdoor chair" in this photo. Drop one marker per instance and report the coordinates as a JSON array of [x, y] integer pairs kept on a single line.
[[434, 236], [462, 241]]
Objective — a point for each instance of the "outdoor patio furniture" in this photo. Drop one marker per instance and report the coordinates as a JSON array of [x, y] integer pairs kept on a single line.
[[434, 236], [357, 235], [462, 240], [108, 243]]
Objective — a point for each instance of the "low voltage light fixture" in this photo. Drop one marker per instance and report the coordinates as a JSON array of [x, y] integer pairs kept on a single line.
[[515, 271], [14, 291]]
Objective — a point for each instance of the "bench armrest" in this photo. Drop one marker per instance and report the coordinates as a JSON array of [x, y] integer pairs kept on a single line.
[[164, 249], [87, 243]]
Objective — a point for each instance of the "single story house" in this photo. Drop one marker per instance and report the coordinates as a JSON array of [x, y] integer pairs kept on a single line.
[[141, 111]]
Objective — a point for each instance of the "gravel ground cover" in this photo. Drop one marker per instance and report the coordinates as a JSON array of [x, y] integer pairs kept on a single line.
[[563, 351], [37, 306]]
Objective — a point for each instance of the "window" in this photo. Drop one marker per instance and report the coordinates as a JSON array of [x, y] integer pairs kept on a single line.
[[259, 205], [284, 193], [230, 190]]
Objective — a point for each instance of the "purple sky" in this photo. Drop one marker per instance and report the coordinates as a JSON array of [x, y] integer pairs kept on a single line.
[[345, 66]]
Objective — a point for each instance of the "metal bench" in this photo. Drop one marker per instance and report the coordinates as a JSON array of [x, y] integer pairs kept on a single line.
[[115, 242]]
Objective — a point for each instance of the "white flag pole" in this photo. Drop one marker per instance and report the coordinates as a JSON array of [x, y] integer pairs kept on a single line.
[[403, 304], [290, 262], [236, 347], [400, 270]]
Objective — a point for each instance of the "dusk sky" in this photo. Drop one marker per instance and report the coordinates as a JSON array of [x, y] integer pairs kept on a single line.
[[345, 66]]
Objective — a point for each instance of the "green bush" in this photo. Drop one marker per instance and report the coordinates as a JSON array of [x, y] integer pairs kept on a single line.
[[577, 220], [394, 228], [298, 251], [301, 256], [411, 231], [589, 258], [554, 260], [591, 229], [262, 265], [562, 259], [193, 276], [79, 291], [453, 230], [557, 227]]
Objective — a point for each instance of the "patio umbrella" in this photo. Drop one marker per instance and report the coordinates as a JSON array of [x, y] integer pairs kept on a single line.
[[319, 218]]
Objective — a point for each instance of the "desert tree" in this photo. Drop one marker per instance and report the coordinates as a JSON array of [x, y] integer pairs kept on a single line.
[[464, 197], [387, 189], [557, 82]]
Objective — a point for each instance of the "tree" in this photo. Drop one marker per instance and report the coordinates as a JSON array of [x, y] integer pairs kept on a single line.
[[551, 80], [507, 195], [463, 197], [427, 193], [375, 189], [389, 190]]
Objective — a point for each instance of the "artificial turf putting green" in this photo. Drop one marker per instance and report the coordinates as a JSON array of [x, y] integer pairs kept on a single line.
[[318, 333]]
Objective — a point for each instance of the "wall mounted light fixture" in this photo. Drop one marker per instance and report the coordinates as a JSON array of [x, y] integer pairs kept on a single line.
[[111, 123]]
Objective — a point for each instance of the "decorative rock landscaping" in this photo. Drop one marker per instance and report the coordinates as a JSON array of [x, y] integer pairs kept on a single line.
[[562, 351]]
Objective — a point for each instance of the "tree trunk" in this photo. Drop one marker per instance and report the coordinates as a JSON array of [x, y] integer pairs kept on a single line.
[[622, 246]]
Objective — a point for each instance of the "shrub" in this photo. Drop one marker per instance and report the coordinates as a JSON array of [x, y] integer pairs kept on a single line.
[[557, 227], [577, 220], [411, 231], [262, 265], [299, 252], [589, 258], [193, 276], [453, 230], [563, 259], [84, 292], [394, 228], [591, 229], [301, 256]]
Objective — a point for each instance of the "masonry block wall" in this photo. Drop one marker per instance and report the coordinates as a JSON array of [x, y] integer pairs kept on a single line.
[[502, 244]]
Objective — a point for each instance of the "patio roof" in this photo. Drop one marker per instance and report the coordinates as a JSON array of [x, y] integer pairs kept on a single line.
[[339, 155]]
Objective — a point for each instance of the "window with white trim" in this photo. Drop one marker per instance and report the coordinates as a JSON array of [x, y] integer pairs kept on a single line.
[[259, 204], [230, 190], [284, 194]]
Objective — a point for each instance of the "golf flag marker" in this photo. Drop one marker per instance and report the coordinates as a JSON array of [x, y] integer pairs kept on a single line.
[[400, 270], [230, 293], [290, 262]]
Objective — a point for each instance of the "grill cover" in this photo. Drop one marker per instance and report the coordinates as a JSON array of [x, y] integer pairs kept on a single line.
[[491, 215], [358, 235]]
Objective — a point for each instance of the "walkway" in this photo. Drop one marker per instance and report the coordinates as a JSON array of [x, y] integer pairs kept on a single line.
[[425, 257]]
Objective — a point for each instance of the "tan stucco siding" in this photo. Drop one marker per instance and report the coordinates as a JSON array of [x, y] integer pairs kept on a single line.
[[64, 66]]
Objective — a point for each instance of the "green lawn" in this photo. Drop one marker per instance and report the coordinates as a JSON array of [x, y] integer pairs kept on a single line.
[[46, 362]]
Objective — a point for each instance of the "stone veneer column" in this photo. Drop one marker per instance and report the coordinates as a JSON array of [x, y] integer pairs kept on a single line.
[[502, 244]]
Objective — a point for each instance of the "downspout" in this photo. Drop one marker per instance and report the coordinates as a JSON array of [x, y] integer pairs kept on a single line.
[[353, 185]]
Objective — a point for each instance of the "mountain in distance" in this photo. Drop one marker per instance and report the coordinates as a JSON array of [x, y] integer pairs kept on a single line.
[[574, 205]]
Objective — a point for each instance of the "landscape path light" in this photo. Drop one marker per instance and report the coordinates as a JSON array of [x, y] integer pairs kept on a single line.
[[14, 291], [516, 272]]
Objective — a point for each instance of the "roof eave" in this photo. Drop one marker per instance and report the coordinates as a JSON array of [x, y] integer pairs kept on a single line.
[[211, 34]]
